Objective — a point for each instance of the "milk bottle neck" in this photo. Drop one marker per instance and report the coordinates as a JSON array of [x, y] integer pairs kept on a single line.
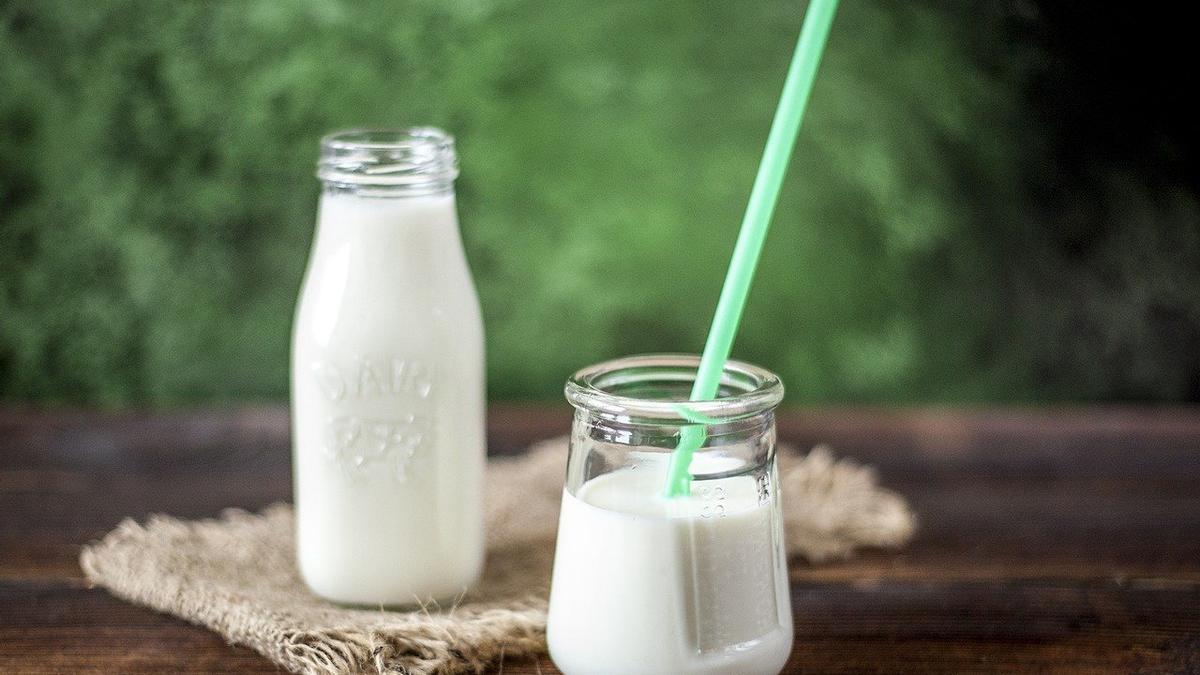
[[391, 235], [388, 198], [388, 163]]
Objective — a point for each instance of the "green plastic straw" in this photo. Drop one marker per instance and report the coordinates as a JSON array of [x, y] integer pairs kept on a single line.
[[763, 197]]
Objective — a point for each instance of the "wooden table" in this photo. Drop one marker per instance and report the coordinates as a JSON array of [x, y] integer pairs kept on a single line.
[[1059, 541]]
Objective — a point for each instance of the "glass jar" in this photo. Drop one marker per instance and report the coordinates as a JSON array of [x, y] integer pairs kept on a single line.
[[388, 378], [649, 584]]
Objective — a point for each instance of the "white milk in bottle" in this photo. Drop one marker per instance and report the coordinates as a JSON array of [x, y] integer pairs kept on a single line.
[[388, 378]]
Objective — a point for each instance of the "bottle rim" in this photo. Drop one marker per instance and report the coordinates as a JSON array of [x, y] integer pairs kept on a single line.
[[419, 159], [747, 390]]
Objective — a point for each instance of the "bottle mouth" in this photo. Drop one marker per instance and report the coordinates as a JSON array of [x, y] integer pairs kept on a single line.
[[655, 387], [417, 159]]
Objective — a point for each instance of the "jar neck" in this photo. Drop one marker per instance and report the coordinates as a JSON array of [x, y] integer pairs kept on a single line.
[[654, 389], [620, 430], [388, 163]]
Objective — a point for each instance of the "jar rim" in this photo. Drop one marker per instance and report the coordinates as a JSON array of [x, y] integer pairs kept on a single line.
[[757, 389]]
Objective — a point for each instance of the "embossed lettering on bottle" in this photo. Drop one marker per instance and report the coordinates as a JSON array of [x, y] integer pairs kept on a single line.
[[366, 447]]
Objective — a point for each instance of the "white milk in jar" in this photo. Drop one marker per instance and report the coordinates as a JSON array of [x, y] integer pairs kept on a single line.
[[689, 586], [388, 379]]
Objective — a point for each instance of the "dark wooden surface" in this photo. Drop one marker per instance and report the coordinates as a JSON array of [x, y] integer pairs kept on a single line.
[[1051, 541]]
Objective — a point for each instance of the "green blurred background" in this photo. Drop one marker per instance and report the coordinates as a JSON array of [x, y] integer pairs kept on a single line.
[[989, 203]]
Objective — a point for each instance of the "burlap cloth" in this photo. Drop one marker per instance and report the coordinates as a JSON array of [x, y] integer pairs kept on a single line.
[[236, 574]]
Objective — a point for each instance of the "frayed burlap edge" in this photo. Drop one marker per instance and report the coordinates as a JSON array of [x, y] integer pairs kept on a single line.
[[236, 574]]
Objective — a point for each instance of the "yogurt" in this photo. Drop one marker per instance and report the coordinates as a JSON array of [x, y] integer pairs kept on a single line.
[[693, 586]]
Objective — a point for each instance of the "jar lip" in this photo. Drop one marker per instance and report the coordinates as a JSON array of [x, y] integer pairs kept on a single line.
[[760, 389], [420, 158]]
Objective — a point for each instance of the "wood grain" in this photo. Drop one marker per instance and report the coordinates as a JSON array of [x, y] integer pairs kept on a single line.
[[1051, 541]]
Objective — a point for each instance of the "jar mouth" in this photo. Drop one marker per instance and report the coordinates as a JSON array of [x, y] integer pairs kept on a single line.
[[416, 158], [656, 387]]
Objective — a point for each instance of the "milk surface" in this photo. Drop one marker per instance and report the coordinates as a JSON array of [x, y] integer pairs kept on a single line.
[[388, 396], [646, 585]]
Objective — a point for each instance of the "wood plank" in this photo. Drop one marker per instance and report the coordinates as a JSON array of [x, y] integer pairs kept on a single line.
[[971, 527], [55, 627], [1114, 437], [840, 628], [974, 524]]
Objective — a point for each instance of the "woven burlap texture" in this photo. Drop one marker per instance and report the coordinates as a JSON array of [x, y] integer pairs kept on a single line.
[[236, 575]]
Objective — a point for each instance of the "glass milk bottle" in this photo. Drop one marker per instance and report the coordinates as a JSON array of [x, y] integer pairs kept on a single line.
[[693, 585], [388, 378]]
